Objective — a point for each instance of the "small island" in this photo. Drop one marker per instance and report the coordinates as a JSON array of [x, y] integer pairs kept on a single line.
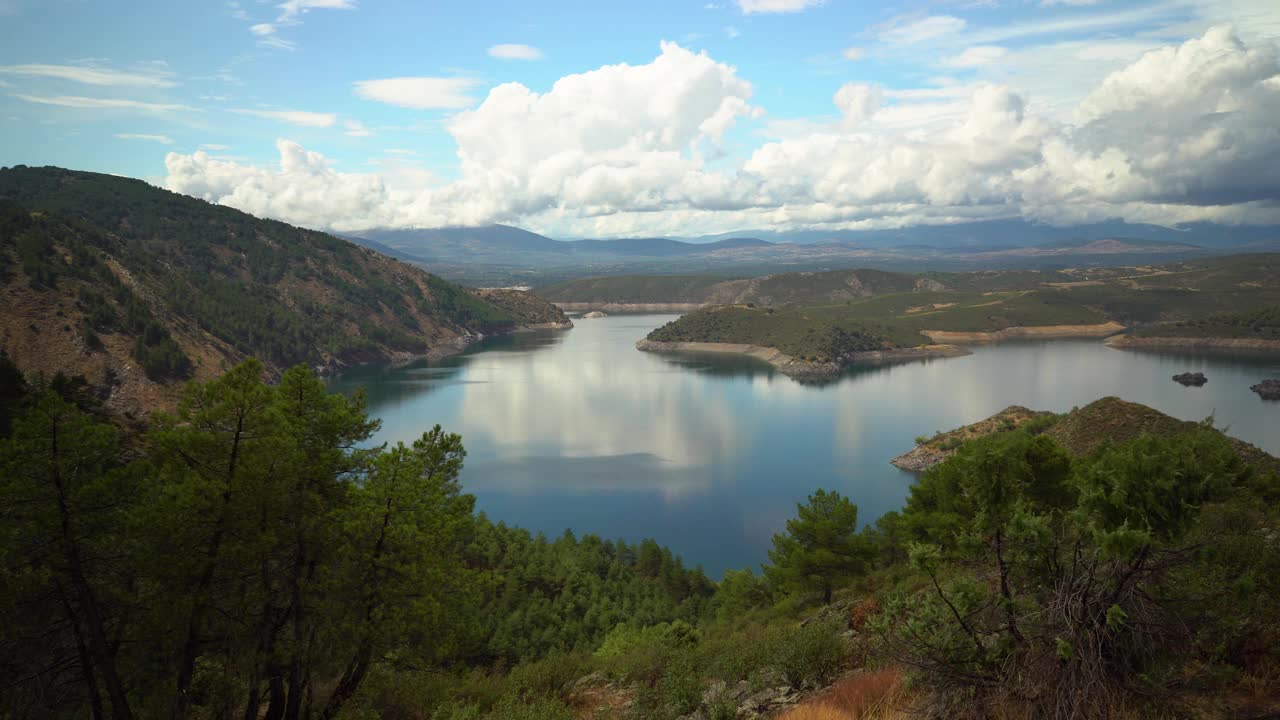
[[1267, 389], [1190, 379]]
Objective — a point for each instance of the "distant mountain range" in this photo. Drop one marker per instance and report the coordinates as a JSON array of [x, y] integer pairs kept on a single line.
[[449, 242], [993, 234], [501, 255]]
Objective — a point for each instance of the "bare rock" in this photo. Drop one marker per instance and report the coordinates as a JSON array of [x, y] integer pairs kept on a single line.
[[1189, 379]]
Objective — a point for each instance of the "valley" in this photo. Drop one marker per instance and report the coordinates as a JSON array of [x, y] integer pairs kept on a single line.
[[271, 403]]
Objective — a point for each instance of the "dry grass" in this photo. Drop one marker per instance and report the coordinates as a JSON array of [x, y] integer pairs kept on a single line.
[[861, 696]]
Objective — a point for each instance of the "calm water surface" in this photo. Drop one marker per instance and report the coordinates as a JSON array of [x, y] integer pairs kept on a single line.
[[709, 454]]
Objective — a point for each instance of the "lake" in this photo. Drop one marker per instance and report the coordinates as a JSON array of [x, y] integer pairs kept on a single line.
[[710, 454]]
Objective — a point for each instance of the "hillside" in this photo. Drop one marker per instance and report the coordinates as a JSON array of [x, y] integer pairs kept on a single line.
[[780, 289], [136, 288], [829, 317]]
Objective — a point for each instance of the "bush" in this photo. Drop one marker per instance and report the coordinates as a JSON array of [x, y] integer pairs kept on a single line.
[[677, 692], [549, 677], [811, 655]]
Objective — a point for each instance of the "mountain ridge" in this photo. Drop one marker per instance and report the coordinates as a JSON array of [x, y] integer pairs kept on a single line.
[[137, 288]]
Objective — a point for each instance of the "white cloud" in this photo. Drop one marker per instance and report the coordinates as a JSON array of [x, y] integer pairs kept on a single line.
[[214, 146], [293, 117], [857, 103], [92, 75], [731, 31], [908, 30], [976, 56], [749, 7], [401, 151], [290, 12], [354, 128], [1183, 133], [512, 51], [162, 139], [419, 93], [291, 9], [77, 101], [853, 53]]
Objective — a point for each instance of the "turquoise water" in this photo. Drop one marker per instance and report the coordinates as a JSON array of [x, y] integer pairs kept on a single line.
[[709, 454]]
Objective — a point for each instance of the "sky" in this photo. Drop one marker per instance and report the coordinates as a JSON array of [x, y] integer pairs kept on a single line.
[[608, 119]]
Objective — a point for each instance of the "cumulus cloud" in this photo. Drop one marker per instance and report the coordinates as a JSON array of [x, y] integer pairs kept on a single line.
[[1183, 133], [293, 117], [857, 103], [750, 7], [93, 75], [419, 93], [515, 52]]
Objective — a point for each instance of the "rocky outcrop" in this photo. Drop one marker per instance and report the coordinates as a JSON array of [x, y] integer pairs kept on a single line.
[[1033, 332], [593, 315], [1190, 379], [943, 445], [1267, 389]]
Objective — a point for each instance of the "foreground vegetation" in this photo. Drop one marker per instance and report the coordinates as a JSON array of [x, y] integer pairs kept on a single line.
[[252, 556]]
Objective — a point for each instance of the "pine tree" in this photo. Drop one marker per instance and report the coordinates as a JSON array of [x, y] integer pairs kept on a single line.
[[821, 548]]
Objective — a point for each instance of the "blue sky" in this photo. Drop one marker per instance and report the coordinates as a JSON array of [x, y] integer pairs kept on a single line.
[[680, 118]]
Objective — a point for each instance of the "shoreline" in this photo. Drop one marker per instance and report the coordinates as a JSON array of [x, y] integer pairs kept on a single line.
[[1128, 342], [638, 308], [448, 348], [1027, 332], [797, 368]]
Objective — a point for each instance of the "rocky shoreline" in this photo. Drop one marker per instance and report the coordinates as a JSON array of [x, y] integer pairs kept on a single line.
[[1128, 342], [943, 445], [1029, 332], [614, 308], [805, 369]]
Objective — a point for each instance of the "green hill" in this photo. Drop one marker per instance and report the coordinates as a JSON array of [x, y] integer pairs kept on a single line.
[[781, 289], [135, 287]]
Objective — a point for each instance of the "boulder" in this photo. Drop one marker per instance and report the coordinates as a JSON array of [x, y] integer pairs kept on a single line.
[[1267, 389], [1190, 379]]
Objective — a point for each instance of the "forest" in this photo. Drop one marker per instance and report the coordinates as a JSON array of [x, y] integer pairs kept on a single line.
[[253, 555]]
